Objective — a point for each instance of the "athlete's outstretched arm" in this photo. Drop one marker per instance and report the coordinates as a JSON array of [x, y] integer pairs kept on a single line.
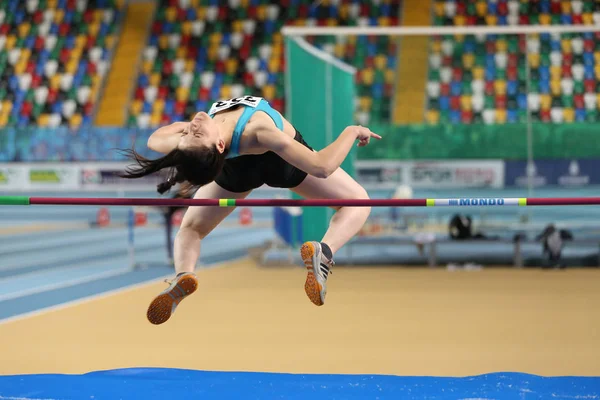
[[322, 163], [166, 138]]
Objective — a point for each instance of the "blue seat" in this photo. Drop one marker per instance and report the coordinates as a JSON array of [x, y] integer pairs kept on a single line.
[[57, 107], [153, 41], [555, 45], [68, 16], [512, 87], [455, 117], [169, 106], [54, 29], [566, 19], [512, 116], [522, 101], [143, 80], [544, 72], [263, 65], [492, 9], [18, 17], [147, 107], [455, 88], [201, 105], [490, 74], [580, 114], [502, 20], [588, 59], [469, 46], [444, 103], [215, 92], [544, 87], [190, 14], [272, 79]]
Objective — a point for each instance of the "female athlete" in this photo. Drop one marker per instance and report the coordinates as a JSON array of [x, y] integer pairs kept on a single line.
[[238, 146]]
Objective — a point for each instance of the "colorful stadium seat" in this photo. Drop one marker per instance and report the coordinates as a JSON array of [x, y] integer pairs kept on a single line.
[[202, 50], [53, 56], [554, 76]]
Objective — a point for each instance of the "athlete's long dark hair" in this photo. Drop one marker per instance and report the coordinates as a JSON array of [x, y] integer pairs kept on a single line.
[[196, 166]]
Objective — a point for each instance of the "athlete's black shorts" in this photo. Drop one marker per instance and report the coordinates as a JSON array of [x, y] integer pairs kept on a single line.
[[244, 173]]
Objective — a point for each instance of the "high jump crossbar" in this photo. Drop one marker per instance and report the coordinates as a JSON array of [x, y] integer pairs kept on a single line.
[[158, 202]]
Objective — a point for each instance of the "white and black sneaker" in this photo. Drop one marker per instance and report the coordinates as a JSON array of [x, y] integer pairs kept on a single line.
[[319, 268]]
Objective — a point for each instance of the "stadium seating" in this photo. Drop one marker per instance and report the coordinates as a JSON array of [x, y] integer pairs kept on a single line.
[[203, 50], [53, 56], [495, 79]]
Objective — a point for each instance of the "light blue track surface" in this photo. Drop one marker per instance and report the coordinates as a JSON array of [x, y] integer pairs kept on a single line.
[[47, 268]]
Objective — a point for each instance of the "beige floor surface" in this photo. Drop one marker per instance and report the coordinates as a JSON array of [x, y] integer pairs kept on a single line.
[[377, 320]]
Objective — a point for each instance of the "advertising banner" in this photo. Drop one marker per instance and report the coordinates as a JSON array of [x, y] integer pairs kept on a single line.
[[431, 174], [566, 173]]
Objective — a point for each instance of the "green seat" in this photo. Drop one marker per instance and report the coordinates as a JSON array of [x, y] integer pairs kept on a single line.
[[522, 115], [545, 59], [434, 75], [578, 87], [501, 73], [174, 81], [158, 65], [444, 117], [557, 102], [489, 102], [567, 100], [87, 80], [591, 115]]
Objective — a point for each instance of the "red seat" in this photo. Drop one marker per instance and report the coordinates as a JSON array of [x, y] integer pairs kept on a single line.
[[590, 85], [220, 66], [455, 103], [471, 20], [167, 67], [588, 45], [502, 8], [4, 29], [566, 71], [64, 29], [251, 12], [36, 81], [388, 90], [91, 42], [490, 47], [180, 107], [489, 88], [523, 19], [512, 73], [445, 89], [30, 68], [165, 119], [163, 91], [139, 93], [466, 116], [63, 57], [52, 95], [578, 101], [278, 104], [501, 101], [555, 7], [545, 115], [88, 108], [70, 5], [156, 28], [577, 19], [513, 60], [38, 45], [249, 79], [461, 8], [92, 68], [447, 61], [457, 74], [88, 16], [38, 17], [204, 94], [26, 109], [567, 58]]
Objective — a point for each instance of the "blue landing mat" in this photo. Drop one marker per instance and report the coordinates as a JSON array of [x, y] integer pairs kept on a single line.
[[158, 383]]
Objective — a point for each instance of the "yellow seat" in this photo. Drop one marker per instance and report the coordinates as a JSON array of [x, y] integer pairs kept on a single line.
[[136, 107], [332, 22], [231, 66], [10, 42], [59, 15], [71, 67], [80, 41], [94, 29], [225, 92], [384, 21], [460, 20], [155, 79], [244, 3], [597, 57], [98, 15], [20, 68], [436, 46], [390, 75], [276, 50], [186, 28], [52, 3], [268, 92], [183, 93], [339, 50], [110, 42], [367, 76], [194, 3], [43, 120], [597, 71], [545, 102], [501, 45], [555, 72], [598, 100], [465, 102], [213, 52], [565, 44], [478, 73], [481, 8], [588, 18], [75, 121], [534, 60], [200, 13], [500, 86], [94, 92], [569, 114], [545, 19], [344, 11], [147, 67], [24, 29], [261, 12], [380, 62], [566, 6], [500, 116], [181, 52], [274, 65], [158, 106], [438, 7], [163, 42], [190, 64], [155, 119], [432, 117], [555, 87], [468, 60], [7, 107], [3, 120], [55, 81], [491, 20], [170, 14], [237, 26], [364, 103], [215, 39]]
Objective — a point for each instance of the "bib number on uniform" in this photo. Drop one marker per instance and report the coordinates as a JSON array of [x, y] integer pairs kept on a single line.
[[221, 105]]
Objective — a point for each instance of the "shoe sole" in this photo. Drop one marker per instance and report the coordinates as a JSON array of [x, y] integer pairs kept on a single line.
[[311, 287], [162, 306]]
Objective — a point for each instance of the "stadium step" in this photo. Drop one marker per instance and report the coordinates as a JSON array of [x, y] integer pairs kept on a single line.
[[409, 99], [123, 73]]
